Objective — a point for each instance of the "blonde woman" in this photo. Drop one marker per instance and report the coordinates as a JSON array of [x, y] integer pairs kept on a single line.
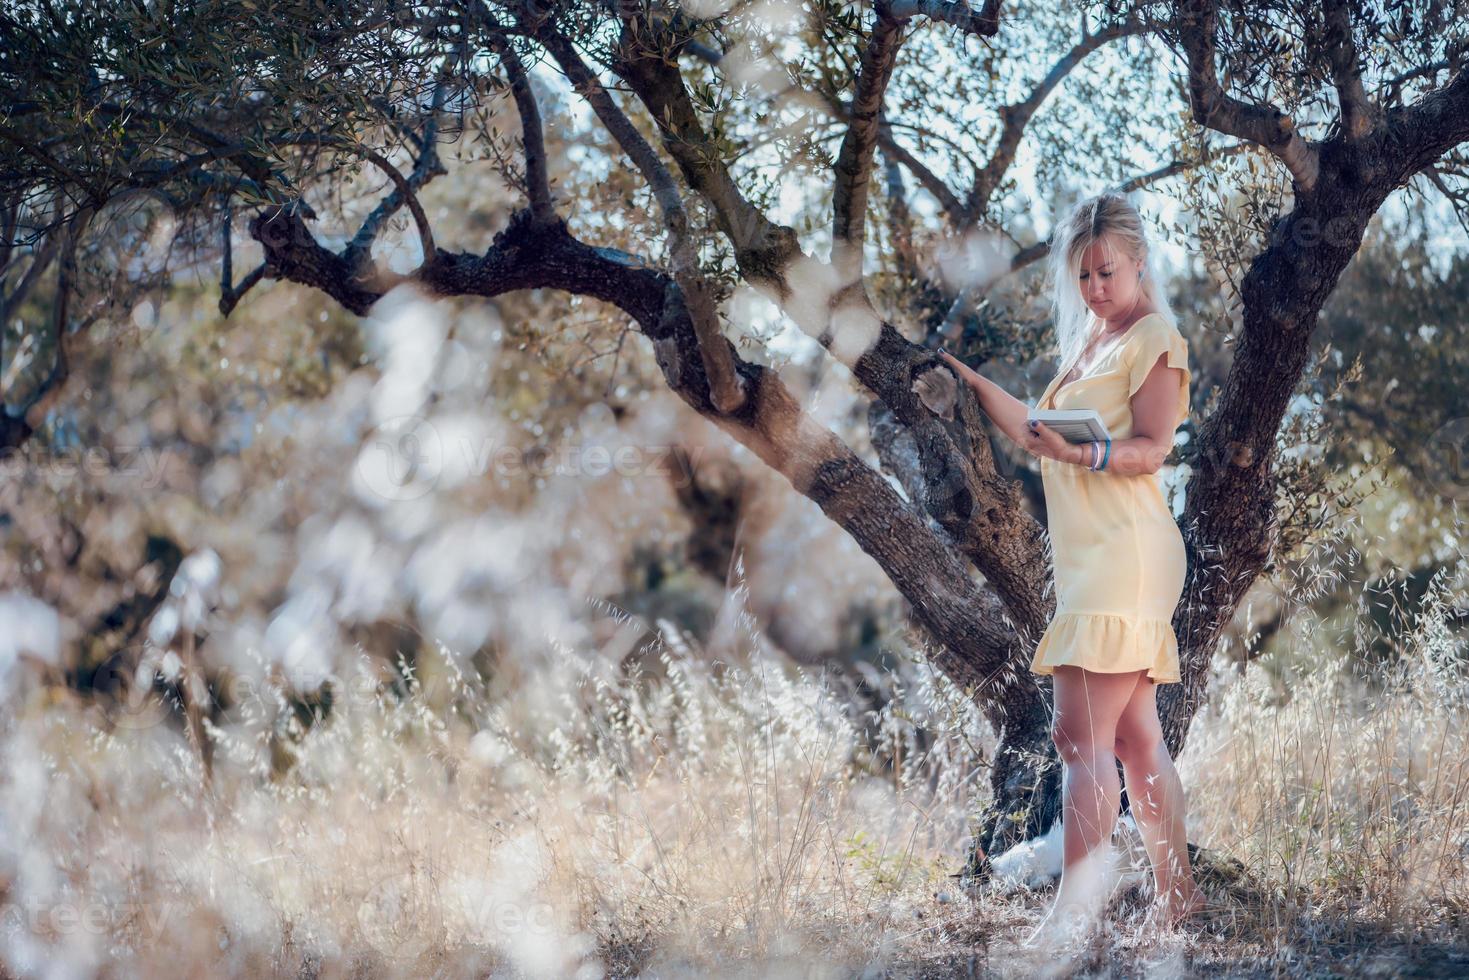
[[1118, 555]]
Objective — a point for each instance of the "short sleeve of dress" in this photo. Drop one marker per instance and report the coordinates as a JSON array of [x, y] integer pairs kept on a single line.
[[1160, 337]]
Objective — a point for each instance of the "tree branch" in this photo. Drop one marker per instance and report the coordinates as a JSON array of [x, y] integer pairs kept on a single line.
[[727, 391], [46, 394], [1392, 89], [930, 181], [1015, 118], [67, 175], [981, 648], [41, 259], [853, 168], [1436, 123], [538, 187], [1356, 110], [404, 191], [985, 23], [426, 168], [1458, 199], [1176, 167], [9, 224], [762, 249], [229, 293], [1198, 21], [229, 299], [966, 494], [900, 219]]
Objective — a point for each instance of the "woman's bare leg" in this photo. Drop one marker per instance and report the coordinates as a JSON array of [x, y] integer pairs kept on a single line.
[[1088, 705], [1156, 798]]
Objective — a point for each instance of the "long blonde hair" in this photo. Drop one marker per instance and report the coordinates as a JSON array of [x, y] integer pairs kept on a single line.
[[1107, 214]]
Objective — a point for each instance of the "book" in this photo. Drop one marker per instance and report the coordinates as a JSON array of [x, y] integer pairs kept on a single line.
[[1074, 424]]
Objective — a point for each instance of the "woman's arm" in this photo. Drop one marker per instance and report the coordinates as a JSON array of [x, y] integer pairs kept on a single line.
[[1004, 409], [1154, 408], [1154, 420]]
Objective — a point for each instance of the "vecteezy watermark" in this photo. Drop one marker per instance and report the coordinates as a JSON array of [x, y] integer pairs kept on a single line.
[[404, 913], [1448, 458], [144, 921], [124, 684], [149, 465], [399, 917], [402, 459], [407, 457]]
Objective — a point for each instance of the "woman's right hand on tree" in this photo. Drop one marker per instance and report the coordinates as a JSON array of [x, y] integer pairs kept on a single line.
[[959, 365]]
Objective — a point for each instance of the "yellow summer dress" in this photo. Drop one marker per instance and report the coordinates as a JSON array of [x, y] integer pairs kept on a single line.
[[1119, 556]]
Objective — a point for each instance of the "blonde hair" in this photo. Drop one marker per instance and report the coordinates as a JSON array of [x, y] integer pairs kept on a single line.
[[1111, 218]]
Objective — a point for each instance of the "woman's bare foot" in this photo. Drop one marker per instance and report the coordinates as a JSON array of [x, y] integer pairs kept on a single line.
[[1060, 928], [1176, 912]]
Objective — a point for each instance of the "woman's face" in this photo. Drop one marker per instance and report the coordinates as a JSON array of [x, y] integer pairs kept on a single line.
[[1108, 279]]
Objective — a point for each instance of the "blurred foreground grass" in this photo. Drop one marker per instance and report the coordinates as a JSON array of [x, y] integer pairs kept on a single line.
[[699, 818]]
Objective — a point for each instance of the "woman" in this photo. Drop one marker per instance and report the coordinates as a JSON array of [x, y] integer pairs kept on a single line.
[[1118, 555]]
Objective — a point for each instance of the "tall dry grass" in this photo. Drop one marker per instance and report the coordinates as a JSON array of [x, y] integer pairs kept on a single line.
[[696, 817]]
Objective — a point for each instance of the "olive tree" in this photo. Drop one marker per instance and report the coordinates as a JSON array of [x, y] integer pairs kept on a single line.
[[904, 120]]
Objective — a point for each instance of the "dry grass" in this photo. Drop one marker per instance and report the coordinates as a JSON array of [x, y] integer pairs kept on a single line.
[[738, 819]]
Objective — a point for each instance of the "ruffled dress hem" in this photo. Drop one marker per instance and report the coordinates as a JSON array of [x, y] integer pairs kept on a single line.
[[1109, 643]]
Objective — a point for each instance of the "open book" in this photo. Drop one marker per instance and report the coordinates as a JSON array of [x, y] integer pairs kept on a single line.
[[1074, 424]]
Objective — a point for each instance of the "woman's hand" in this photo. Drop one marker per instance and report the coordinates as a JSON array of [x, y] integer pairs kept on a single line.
[[1046, 441], [963, 369], [1009, 413]]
